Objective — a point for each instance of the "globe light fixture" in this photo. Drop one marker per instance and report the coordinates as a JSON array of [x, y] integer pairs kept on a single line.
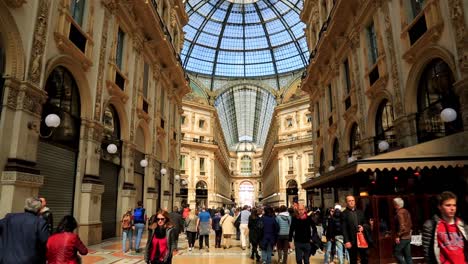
[[318, 174], [52, 120], [144, 163], [448, 115], [183, 182], [163, 171], [351, 159], [331, 168], [383, 145], [177, 177], [112, 148]]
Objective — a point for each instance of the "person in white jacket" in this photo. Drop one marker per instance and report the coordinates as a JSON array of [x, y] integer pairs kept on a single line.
[[284, 221]]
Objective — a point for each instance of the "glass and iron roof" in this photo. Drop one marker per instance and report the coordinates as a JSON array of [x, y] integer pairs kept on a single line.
[[244, 38], [245, 113]]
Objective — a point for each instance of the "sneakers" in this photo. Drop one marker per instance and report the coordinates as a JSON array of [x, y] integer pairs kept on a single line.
[[189, 249]]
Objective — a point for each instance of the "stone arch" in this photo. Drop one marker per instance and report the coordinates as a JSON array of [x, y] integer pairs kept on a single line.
[[120, 108], [201, 185], [291, 184], [14, 52], [143, 131], [421, 61], [373, 108], [230, 85], [83, 86]]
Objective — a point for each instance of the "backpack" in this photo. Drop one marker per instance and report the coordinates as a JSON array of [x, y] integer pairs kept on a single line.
[[138, 215], [126, 221]]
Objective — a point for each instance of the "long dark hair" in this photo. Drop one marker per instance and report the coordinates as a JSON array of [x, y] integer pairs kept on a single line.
[[168, 222], [67, 224]]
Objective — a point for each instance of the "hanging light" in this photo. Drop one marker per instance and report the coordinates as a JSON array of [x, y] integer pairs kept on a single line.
[[177, 177], [448, 115], [144, 163], [383, 145], [112, 148], [163, 171], [331, 168], [52, 120]]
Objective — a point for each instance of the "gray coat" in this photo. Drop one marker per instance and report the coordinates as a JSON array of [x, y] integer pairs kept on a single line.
[[171, 243], [191, 224]]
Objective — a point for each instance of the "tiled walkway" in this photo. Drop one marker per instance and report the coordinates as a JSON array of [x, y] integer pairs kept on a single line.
[[111, 252]]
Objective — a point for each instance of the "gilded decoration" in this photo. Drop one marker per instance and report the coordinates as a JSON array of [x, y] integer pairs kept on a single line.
[[39, 41], [102, 64]]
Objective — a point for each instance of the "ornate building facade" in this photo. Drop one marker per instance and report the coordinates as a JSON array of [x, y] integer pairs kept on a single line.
[[110, 70]]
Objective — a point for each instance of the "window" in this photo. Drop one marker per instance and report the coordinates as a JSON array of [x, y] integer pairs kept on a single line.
[[372, 43], [290, 163], [384, 125], [182, 135], [309, 118], [202, 138], [413, 7], [336, 151], [322, 162], [182, 120], [354, 139], [310, 159], [246, 165], [145, 80], [330, 98], [120, 48], [289, 122], [77, 8], [201, 123], [259, 186], [202, 164], [182, 162], [347, 76]]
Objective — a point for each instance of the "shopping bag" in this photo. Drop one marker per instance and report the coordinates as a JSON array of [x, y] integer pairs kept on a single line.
[[361, 240]]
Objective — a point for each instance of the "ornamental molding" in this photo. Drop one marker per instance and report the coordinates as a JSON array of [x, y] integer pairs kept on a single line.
[[458, 22], [39, 42], [92, 188], [21, 179], [102, 64]]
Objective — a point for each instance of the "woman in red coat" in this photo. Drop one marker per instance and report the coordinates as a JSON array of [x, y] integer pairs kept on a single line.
[[63, 246]]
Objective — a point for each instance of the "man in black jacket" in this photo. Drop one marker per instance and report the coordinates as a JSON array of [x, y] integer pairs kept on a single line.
[[46, 214], [354, 222], [304, 231], [176, 219], [23, 236]]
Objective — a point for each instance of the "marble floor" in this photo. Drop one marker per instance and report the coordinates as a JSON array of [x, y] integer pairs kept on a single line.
[[110, 251]]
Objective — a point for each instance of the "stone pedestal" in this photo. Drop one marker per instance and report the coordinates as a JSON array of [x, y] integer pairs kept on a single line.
[[128, 199], [15, 188], [90, 226]]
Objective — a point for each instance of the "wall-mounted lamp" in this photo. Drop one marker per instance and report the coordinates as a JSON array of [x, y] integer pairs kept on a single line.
[[112, 148], [163, 171], [177, 177], [52, 121], [331, 168], [448, 115], [144, 163], [351, 159], [383, 145]]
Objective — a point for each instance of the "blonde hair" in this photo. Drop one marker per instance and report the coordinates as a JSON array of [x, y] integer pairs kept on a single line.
[[191, 214]]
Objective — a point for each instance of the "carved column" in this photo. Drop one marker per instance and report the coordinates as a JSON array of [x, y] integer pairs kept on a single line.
[[90, 230], [367, 146], [128, 187], [405, 130], [461, 89]]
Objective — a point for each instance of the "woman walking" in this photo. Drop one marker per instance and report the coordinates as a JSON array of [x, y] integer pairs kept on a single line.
[[227, 227], [255, 235], [127, 230], [191, 227], [64, 245], [161, 244]]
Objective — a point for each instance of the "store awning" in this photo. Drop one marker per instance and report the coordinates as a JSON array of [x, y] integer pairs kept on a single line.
[[449, 151]]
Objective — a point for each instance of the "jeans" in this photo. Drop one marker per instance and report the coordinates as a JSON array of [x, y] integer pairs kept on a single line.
[[218, 238], [191, 238], [402, 252], [139, 233], [127, 234], [328, 252], [302, 252], [207, 241], [282, 247], [266, 254]]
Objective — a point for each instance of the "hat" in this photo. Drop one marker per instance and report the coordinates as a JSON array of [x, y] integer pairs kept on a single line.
[[338, 207]]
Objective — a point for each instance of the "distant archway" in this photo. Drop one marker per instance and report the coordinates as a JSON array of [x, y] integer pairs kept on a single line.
[[246, 193]]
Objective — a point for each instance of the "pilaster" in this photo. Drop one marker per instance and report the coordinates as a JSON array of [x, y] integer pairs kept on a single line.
[[90, 229]]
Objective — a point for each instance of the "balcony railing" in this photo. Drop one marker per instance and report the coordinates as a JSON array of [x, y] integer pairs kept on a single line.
[[291, 139], [197, 140]]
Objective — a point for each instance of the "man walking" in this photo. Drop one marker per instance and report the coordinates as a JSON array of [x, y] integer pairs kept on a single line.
[[301, 230], [23, 236], [354, 223], [178, 223], [139, 220], [244, 226], [46, 214], [402, 250], [444, 238], [204, 227]]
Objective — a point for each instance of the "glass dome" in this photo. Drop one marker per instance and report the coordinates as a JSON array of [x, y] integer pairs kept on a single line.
[[244, 38]]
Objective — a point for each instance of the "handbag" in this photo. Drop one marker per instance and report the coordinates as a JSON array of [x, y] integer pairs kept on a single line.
[[361, 240]]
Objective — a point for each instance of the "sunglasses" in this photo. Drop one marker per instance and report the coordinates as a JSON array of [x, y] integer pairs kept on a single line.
[[161, 219]]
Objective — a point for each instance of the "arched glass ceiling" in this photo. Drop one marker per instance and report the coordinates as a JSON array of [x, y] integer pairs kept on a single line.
[[245, 112], [236, 38]]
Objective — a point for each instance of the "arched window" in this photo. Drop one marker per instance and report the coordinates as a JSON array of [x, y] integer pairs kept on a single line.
[[64, 100], [435, 92], [322, 162], [201, 185], [291, 184], [336, 153], [354, 138], [384, 129], [246, 165], [111, 126]]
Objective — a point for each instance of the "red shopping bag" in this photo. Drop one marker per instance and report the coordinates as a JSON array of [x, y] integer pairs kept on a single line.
[[361, 240]]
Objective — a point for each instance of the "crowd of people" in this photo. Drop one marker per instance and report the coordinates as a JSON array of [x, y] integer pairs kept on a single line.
[[343, 233]]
